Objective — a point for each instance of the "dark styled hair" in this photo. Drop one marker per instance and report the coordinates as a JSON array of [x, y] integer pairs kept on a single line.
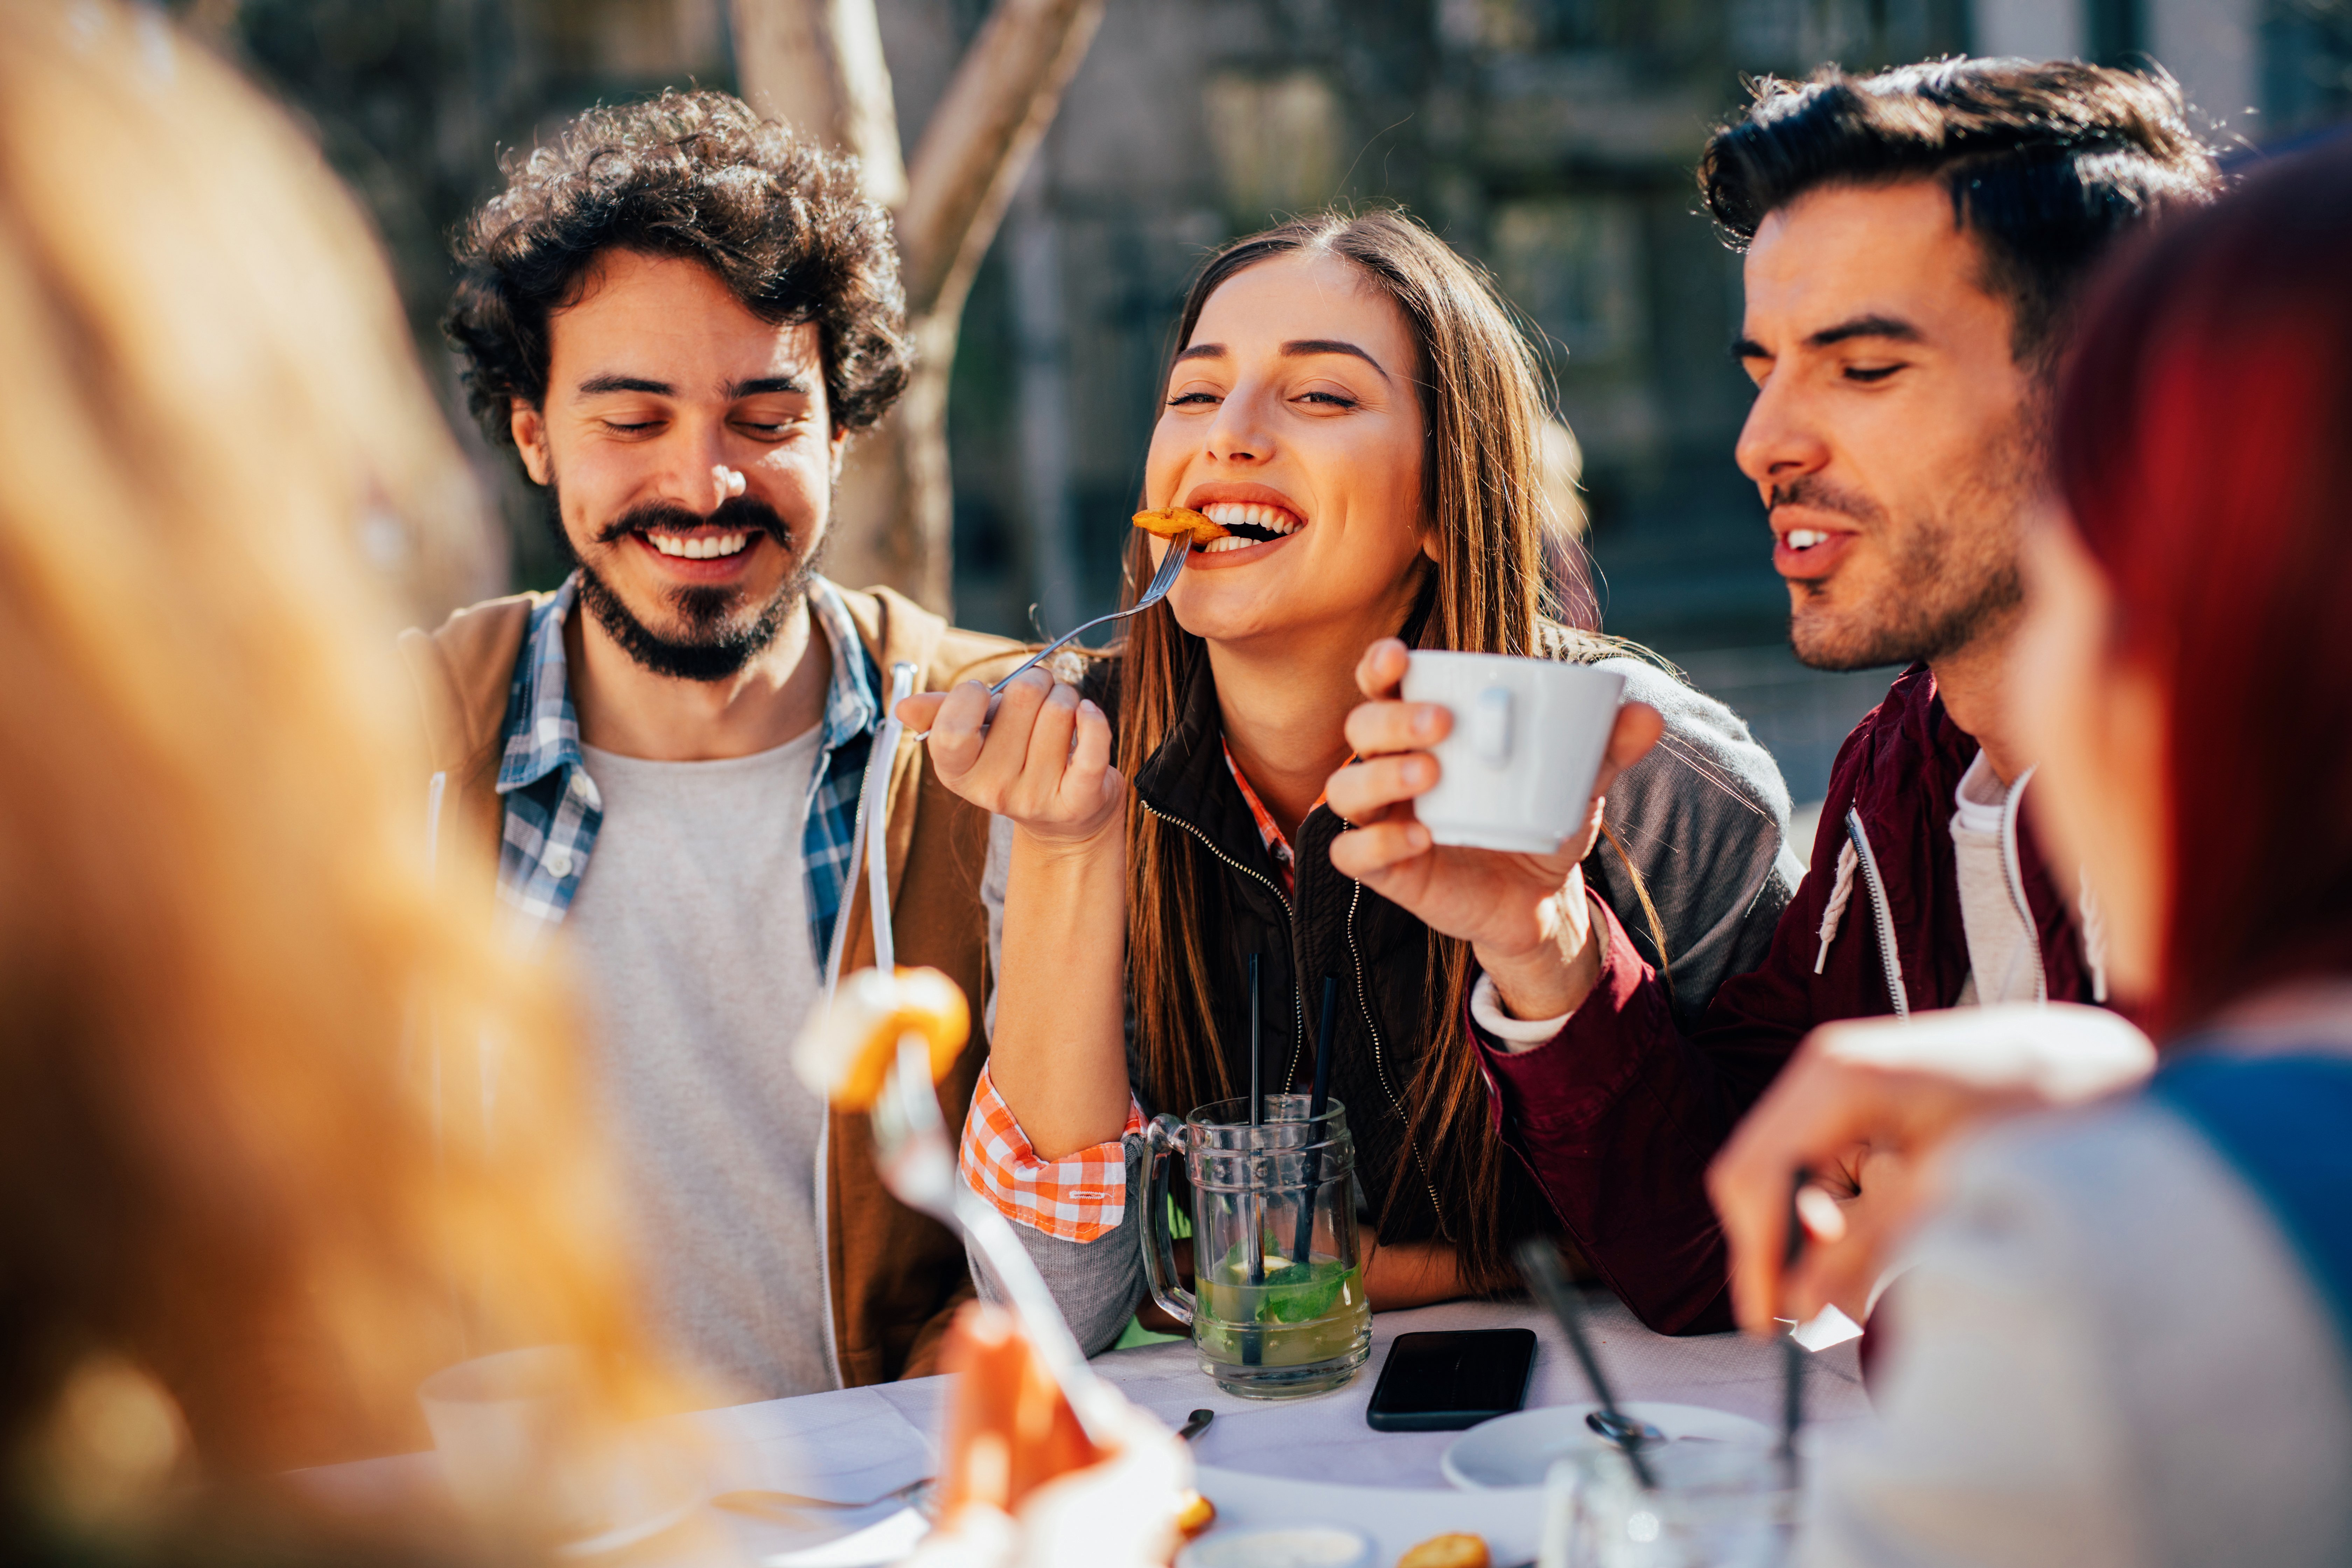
[[2046, 162], [2204, 452], [783, 224]]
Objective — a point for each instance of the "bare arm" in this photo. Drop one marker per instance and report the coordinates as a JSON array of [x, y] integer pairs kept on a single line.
[[1058, 1054]]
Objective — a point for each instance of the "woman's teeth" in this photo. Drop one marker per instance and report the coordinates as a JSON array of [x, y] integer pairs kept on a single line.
[[1231, 542], [1805, 538], [699, 546], [1267, 521]]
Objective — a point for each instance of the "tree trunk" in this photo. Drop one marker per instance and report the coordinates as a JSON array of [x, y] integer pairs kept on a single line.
[[818, 64]]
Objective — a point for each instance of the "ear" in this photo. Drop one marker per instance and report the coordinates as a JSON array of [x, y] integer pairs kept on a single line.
[[1429, 547], [840, 451], [529, 428]]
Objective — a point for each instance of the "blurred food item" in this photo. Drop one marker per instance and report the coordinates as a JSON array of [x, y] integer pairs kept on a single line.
[[1459, 1550], [1021, 1484], [847, 1052], [1194, 1514], [1180, 523]]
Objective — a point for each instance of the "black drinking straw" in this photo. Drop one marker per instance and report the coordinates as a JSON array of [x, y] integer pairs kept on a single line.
[[1316, 1104], [1792, 1354], [1540, 1262], [1252, 1345]]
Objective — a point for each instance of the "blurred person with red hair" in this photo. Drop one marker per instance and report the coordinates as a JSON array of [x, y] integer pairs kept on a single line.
[[2125, 1335], [241, 1033]]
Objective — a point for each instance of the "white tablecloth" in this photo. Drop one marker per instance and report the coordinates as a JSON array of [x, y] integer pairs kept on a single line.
[[1291, 1461]]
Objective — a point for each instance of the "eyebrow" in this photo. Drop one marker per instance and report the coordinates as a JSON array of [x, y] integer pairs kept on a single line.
[[596, 384], [1892, 327], [757, 386], [1300, 347], [761, 385], [1297, 348]]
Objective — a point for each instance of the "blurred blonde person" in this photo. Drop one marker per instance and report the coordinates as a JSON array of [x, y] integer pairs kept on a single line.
[[245, 1047]]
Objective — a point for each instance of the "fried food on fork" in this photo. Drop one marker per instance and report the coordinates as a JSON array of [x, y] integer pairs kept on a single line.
[[1180, 523], [847, 1053]]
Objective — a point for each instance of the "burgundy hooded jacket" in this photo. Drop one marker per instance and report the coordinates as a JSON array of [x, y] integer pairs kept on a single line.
[[1619, 1114]]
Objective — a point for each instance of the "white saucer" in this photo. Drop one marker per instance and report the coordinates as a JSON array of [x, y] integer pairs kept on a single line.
[[1515, 1450], [654, 1489], [1295, 1546]]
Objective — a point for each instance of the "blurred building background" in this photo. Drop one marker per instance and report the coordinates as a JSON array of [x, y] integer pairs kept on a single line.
[[1552, 139]]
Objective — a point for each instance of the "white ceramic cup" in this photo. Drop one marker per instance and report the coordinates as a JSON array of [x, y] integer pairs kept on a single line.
[[517, 1440], [1528, 734]]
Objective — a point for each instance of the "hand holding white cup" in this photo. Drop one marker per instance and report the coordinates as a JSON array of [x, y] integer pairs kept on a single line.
[[1531, 770]]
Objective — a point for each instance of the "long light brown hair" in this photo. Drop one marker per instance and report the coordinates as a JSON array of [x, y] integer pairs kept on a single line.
[[225, 974], [1483, 416]]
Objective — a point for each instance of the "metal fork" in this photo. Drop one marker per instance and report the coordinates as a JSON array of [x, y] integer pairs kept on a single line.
[[1161, 581]]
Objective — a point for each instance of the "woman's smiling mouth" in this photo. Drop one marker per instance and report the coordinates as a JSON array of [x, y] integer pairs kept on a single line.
[[1250, 523]]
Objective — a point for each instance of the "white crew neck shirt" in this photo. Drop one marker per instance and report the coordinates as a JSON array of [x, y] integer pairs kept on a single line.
[[690, 933], [2004, 956]]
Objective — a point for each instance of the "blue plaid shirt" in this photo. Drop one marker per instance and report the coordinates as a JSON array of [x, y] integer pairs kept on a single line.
[[553, 811]]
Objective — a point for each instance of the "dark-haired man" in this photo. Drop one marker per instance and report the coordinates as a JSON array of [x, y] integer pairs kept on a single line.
[[677, 315], [1913, 241]]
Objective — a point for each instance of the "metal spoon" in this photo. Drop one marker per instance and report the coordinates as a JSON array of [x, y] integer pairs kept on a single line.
[[1194, 1424], [1616, 1427]]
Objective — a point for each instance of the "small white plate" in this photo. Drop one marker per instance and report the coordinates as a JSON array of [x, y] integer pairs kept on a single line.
[[1517, 1450], [1308, 1546], [652, 1492]]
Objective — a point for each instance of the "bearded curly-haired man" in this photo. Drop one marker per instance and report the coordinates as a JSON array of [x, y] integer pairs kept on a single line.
[[679, 315]]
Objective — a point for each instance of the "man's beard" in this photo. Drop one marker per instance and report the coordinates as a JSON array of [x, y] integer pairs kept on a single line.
[[1951, 574], [716, 636]]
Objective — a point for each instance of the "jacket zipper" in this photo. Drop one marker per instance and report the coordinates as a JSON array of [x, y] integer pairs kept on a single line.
[[1379, 1057], [1886, 917], [1289, 919], [2013, 875]]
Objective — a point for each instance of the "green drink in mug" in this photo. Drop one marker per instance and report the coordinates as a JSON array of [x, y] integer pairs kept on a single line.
[[1279, 1306]]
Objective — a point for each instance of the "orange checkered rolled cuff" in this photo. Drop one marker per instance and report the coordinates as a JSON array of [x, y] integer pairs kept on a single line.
[[1080, 1198]]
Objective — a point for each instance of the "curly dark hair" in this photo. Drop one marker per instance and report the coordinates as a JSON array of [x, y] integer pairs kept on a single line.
[[2048, 162], [783, 224]]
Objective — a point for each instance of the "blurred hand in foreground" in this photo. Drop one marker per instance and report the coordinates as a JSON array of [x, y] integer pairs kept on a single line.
[[1872, 1104], [1021, 1484]]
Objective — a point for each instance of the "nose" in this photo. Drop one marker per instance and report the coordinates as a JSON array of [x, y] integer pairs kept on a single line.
[[694, 470], [1238, 434], [1781, 442]]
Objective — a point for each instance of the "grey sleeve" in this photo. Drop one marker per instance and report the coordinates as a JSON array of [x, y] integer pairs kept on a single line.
[[1097, 1284], [1704, 818], [993, 878], [2108, 1354]]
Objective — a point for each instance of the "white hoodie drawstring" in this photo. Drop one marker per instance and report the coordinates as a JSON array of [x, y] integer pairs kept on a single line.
[[1841, 894], [2095, 937]]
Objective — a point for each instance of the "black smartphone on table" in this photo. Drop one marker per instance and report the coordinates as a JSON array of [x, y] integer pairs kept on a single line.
[[1445, 1382]]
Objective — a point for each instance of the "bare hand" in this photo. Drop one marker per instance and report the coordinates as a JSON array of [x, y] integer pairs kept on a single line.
[[1044, 760], [1883, 1098], [1524, 916]]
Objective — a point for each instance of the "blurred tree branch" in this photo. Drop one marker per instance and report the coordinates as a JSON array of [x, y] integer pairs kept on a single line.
[[818, 64]]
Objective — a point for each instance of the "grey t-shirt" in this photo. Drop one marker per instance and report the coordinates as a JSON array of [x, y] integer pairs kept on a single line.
[[690, 933]]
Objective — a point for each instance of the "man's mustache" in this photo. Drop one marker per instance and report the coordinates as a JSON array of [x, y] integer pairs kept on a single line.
[[742, 514], [1814, 494]]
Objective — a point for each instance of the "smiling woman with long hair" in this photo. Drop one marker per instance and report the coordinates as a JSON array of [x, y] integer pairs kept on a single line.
[[1354, 401]]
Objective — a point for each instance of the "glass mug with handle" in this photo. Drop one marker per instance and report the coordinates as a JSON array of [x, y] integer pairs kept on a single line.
[[1278, 1305]]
